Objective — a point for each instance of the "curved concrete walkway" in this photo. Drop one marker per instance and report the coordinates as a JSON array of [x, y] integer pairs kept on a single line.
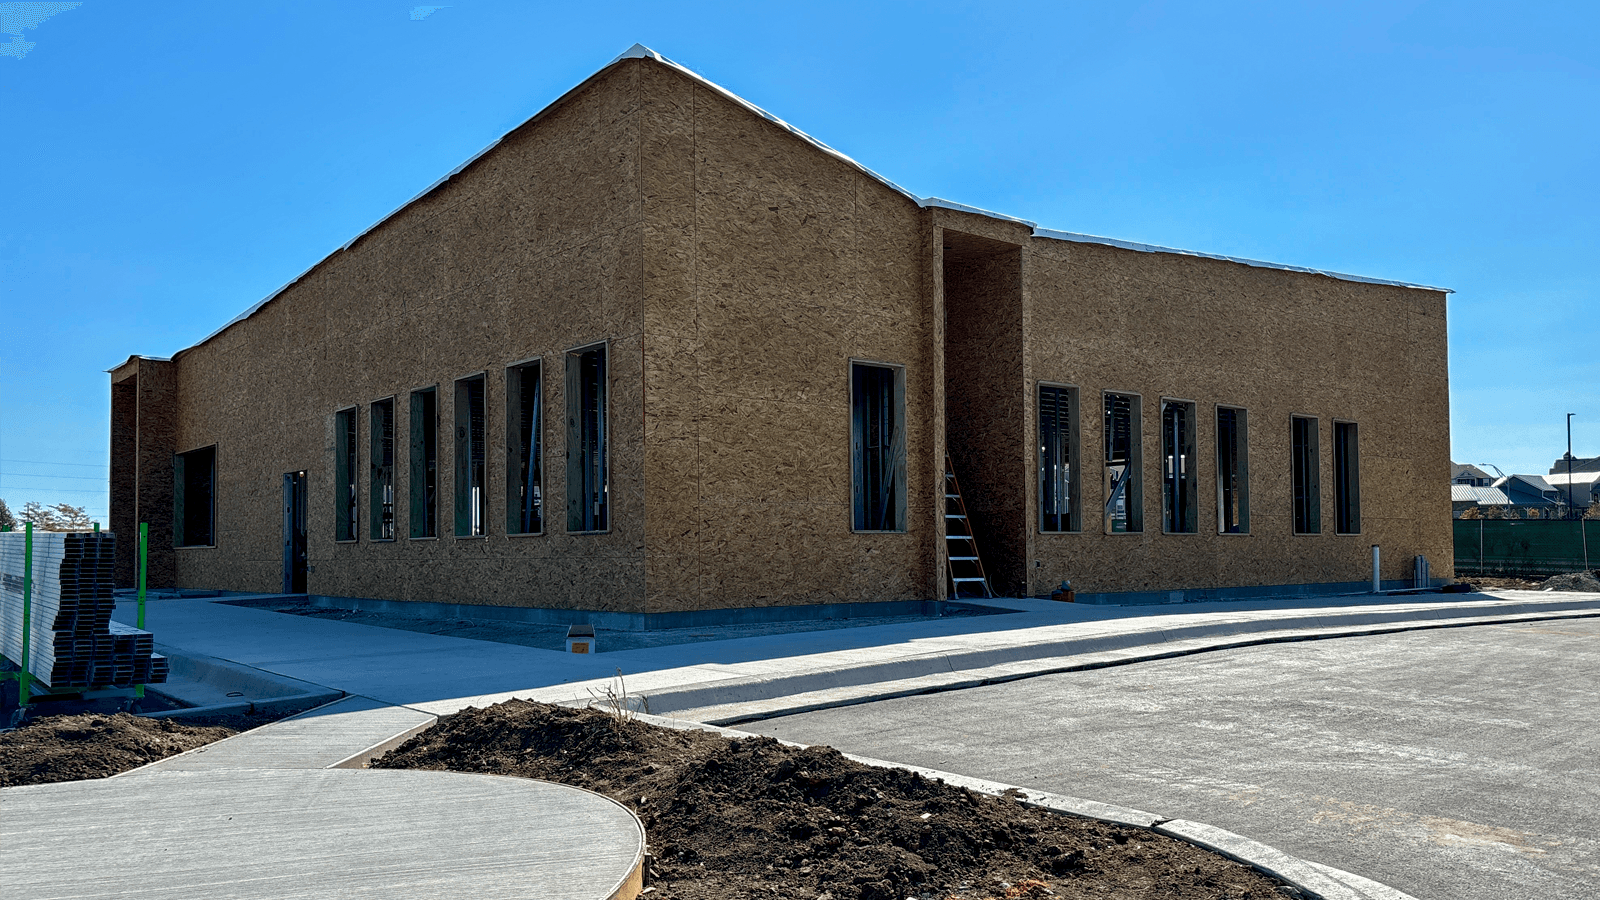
[[400, 681], [281, 834]]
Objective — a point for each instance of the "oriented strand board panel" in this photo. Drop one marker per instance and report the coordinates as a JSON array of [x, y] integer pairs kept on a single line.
[[769, 267], [1278, 344], [531, 251]]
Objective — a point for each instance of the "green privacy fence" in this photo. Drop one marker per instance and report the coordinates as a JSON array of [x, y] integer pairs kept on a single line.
[[1526, 547]]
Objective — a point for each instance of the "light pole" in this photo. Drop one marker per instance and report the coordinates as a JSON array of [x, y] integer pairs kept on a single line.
[[1569, 464]]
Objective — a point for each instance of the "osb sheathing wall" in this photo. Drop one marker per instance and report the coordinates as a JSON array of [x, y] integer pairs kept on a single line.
[[533, 250], [1276, 343], [768, 267]]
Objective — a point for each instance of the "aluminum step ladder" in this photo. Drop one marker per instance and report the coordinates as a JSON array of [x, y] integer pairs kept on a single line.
[[960, 545]]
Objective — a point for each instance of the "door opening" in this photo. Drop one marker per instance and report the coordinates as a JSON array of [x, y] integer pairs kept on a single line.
[[294, 532]]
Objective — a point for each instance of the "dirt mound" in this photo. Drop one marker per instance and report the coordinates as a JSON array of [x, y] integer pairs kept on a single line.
[[91, 745], [1572, 581], [755, 818]]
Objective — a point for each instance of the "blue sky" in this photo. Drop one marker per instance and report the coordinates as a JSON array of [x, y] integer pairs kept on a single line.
[[166, 165]]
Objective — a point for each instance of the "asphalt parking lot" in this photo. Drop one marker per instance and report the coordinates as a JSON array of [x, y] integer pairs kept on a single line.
[[1447, 763]]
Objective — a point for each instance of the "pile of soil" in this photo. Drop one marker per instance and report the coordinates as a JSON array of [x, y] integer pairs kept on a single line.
[[1572, 581], [754, 818], [93, 745], [1505, 583]]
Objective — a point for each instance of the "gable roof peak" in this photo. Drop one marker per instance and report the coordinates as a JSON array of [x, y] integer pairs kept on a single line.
[[637, 51]]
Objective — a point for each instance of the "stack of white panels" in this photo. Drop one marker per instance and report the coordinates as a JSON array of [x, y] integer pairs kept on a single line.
[[72, 640]]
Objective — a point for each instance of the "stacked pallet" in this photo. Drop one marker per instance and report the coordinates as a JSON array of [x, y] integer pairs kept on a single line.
[[72, 640]]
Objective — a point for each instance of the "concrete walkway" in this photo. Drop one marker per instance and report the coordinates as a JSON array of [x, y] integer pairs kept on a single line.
[[755, 677], [295, 833], [399, 681]]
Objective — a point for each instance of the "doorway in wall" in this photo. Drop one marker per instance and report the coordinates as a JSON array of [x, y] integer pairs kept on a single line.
[[985, 410], [294, 532]]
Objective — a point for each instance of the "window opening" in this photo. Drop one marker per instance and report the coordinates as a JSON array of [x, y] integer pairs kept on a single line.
[[381, 490], [1124, 510], [1307, 480], [524, 449], [194, 495], [1058, 456], [1177, 468], [424, 469], [470, 496], [587, 488], [1346, 479], [878, 444], [1233, 479], [344, 478]]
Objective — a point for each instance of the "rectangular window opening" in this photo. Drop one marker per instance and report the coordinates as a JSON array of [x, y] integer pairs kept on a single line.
[[345, 457], [1178, 492], [381, 490], [1124, 456], [524, 449], [424, 469], [588, 499], [195, 498], [1058, 459], [878, 447], [1307, 477], [471, 497], [1346, 479], [1233, 474]]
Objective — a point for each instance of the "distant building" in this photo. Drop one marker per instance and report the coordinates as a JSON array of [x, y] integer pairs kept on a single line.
[[1469, 475], [1585, 479]]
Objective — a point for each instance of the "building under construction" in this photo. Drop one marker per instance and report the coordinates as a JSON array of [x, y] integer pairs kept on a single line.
[[656, 351]]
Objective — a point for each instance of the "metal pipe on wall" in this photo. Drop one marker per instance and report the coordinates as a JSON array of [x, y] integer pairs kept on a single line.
[[1375, 582]]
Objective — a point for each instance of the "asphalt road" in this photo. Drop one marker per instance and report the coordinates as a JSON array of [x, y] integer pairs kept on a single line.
[[1451, 763]]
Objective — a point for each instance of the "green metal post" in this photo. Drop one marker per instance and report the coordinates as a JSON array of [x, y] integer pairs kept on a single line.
[[144, 567], [144, 570], [97, 528], [25, 678]]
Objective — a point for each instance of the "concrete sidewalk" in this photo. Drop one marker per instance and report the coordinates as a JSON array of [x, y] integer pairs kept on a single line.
[[734, 680]]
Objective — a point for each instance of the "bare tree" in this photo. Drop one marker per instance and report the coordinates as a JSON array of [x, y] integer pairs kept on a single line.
[[59, 517], [7, 520]]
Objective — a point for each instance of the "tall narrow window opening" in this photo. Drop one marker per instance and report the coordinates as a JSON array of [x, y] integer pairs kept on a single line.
[[1124, 455], [1233, 474], [381, 490], [1177, 468], [195, 498], [1058, 459], [424, 469], [878, 447], [471, 496], [588, 499], [524, 450], [345, 456], [1346, 479], [1307, 478]]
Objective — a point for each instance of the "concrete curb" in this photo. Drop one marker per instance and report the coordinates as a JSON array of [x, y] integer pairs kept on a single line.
[[210, 685], [1298, 872], [739, 699]]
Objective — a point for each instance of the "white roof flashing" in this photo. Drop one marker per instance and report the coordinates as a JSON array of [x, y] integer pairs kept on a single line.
[[1154, 248], [937, 203], [640, 51]]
